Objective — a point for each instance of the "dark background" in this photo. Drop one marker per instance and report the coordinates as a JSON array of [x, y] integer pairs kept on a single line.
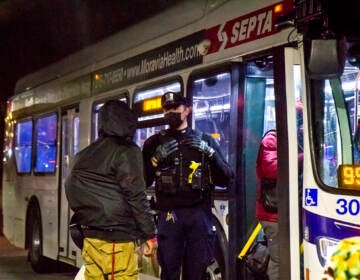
[[37, 33]]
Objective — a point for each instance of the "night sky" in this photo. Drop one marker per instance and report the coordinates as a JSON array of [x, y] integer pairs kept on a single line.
[[36, 33]]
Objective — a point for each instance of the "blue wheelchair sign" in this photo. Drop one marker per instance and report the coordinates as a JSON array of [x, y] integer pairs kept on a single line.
[[311, 197]]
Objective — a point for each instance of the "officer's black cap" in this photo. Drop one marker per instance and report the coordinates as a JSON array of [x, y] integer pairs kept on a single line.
[[173, 99]]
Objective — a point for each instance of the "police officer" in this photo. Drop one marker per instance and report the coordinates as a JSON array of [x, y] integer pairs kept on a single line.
[[185, 165]]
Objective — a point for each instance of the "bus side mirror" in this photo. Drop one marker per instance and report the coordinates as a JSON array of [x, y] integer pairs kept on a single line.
[[326, 58]]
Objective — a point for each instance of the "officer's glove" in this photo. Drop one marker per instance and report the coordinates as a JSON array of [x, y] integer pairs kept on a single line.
[[163, 151], [197, 143]]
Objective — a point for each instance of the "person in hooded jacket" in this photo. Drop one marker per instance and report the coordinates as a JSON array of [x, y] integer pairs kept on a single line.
[[185, 165], [106, 191]]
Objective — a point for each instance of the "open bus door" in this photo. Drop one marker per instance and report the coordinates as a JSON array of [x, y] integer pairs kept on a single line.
[[69, 147], [265, 88]]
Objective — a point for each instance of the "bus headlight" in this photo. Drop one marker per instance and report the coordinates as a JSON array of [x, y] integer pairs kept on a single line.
[[325, 248]]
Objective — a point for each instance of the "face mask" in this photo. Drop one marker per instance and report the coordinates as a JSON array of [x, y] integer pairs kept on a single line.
[[173, 119]]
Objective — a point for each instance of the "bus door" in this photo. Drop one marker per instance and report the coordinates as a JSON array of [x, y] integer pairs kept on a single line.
[[211, 97], [69, 147], [262, 92], [254, 102]]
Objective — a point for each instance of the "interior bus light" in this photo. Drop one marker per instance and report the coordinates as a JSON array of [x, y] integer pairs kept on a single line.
[[218, 76], [349, 176], [152, 117], [212, 109], [220, 107], [152, 104]]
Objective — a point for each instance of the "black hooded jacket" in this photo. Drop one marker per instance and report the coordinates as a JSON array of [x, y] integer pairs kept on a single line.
[[106, 187]]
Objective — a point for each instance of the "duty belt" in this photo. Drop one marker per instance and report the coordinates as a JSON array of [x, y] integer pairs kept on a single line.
[[96, 228]]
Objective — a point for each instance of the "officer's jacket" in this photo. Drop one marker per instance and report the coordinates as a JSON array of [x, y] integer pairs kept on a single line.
[[184, 193], [106, 188]]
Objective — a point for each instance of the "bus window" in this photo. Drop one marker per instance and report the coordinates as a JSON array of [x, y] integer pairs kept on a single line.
[[46, 128], [328, 135], [147, 103], [211, 107], [76, 136], [299, 112], [144, 133], [269, 111], [326, 140], [95, 118], [23, 146]]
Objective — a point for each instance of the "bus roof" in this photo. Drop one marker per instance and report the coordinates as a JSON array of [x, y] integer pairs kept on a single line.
[[177, 16], [188, 23]]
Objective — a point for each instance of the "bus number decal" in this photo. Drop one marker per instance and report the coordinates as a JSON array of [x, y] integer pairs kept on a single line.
[[351, 207]]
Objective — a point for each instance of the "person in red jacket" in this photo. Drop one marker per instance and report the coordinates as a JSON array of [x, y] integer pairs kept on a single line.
[[266, 167]]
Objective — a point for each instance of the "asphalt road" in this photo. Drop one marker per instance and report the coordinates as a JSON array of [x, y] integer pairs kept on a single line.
[[14, 266]]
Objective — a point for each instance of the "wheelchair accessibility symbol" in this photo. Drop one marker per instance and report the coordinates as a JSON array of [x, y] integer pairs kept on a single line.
[[311, 197]]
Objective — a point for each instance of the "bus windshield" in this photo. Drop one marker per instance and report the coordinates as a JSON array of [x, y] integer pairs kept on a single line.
[[334, 130]]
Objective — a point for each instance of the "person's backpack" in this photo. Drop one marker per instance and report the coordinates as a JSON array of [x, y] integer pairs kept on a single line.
[[257, 259], [255, 255], [269, 195]]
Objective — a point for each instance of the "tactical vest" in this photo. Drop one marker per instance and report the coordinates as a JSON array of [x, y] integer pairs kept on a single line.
[[186, 170]]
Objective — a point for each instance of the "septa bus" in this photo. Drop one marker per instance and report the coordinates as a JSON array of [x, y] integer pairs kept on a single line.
[[245, 65]]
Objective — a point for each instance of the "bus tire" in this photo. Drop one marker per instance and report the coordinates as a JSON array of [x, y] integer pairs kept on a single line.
[[39, 263], [213, 271], [218, 269]]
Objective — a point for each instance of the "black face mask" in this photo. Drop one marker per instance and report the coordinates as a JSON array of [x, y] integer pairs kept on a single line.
[[173, 119]]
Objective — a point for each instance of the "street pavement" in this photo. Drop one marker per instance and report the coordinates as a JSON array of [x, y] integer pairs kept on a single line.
[[14, 265]]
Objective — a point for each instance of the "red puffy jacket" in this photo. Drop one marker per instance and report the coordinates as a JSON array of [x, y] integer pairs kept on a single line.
[[266, 167]]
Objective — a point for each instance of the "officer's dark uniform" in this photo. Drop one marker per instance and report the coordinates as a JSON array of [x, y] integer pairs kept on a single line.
[[183, 184]]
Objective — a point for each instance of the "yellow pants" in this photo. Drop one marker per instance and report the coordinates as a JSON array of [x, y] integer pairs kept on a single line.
[[102, 258]]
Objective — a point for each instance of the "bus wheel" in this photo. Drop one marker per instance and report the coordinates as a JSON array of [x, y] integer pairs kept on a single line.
[[217, 270], [213, 271], [38, 262]]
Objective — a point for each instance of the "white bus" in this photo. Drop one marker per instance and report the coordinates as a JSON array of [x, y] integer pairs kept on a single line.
[[245, 69]]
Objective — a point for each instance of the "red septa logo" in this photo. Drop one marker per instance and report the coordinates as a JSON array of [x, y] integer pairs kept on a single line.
[[246, 28]]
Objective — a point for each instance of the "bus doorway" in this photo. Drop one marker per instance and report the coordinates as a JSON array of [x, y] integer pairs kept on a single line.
[[69, 147]]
